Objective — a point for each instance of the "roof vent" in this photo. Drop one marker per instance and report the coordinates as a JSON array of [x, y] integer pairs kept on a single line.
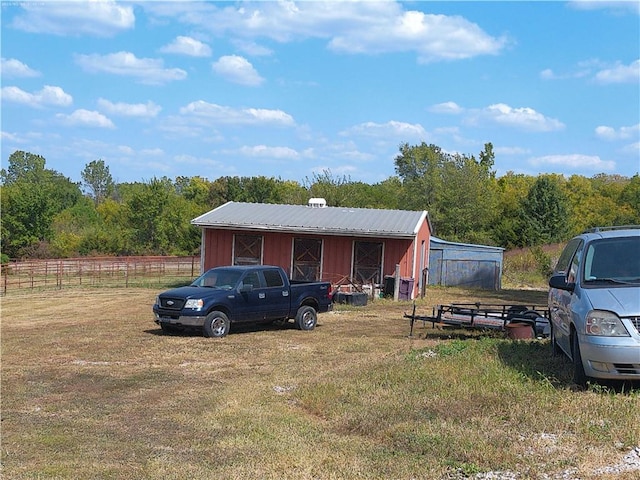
[[317, 203]]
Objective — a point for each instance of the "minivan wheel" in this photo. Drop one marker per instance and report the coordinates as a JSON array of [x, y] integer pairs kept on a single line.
[[579, 376], [555, 349]]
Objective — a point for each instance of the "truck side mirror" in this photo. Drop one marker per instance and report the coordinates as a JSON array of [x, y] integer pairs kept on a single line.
[[246, 288], [559, 281]]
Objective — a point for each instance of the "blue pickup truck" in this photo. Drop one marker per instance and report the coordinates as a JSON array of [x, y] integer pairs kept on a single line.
[[253, 294]]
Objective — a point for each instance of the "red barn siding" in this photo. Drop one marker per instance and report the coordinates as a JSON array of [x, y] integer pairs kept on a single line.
[[337, 252]]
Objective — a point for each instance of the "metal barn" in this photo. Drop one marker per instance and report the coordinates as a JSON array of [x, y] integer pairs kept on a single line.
[[346, 246], [465, 265]]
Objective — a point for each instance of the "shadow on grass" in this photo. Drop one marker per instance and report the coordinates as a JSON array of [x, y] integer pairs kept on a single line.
[[534, 360], [526, 297], [237, 328]]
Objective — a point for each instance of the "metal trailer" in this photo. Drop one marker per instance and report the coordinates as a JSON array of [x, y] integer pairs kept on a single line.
[[487, 316]]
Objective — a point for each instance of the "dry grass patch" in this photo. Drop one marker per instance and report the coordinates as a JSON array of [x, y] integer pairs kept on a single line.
[[91, 388]]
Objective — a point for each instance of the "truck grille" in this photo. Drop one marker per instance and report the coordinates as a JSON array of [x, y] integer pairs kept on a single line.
[[170, 303]]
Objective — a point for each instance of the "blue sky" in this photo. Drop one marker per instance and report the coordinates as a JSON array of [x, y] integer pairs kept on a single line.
[[287, 89]]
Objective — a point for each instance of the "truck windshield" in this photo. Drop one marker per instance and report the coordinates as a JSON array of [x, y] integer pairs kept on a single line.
[[218, 278], [613, 260]]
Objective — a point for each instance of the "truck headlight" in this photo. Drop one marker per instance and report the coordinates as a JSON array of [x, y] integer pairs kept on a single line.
[[195, 303], [604, 324]]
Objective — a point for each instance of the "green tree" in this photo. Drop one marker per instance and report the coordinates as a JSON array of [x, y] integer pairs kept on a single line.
[[159, 219], [23, 166], [630, 197], [512, 190], [97, 178], [420, 169], [458, 191], [31, 197], [545, 212]]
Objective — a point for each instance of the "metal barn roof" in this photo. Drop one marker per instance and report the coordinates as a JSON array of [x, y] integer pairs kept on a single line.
[[306, 219], [435, 242]]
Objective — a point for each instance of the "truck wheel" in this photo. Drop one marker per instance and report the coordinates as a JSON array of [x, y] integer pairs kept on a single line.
[[216, 325], [306, 318]]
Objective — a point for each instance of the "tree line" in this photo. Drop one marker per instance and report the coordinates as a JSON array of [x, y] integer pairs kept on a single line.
[[46, 215]]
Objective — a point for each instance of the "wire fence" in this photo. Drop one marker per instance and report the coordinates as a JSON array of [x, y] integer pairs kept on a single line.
[[19, 276]]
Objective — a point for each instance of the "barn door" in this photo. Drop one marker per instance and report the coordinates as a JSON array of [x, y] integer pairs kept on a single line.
[[307, 256], [367, 263], [247, 250]]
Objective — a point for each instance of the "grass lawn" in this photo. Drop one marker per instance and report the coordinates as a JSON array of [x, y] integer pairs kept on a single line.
[[92, 389]]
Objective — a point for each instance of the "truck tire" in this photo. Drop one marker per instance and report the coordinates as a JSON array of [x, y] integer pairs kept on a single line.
[[216, 325], [306, 318]]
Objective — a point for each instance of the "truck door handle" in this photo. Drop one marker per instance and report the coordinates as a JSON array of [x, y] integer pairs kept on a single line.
[[285, 293], [261, 295]]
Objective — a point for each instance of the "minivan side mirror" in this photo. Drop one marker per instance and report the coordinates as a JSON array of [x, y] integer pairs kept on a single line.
[[559, 281]]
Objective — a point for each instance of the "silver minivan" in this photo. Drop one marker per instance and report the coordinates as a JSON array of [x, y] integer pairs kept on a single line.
[[594, 304]]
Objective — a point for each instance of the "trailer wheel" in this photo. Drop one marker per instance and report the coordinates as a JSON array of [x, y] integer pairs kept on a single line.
[[216, 325], [306, 318]]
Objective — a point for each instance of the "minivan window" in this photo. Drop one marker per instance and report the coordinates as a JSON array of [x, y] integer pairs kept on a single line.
[[613, 259], [567, 255], [572, 274]]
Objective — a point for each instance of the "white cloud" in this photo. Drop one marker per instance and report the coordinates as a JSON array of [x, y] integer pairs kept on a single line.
[[152, 152], [350, 27], [11, 67], [252, 48], [581, 71], [392, 128], [145, 110], [237, 69], [601, 72], [623, 133], [524, 118], [574, 162], [632, 149], [447, 107], [270, 152], [101, 18], [85, 118], [432, 37], [49, 95], [228, 115], [620, 74], [620, 6], [511, 151], [187, 46], [146, 70]]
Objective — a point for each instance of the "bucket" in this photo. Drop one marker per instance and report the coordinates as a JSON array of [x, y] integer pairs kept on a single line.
[[516, 330]]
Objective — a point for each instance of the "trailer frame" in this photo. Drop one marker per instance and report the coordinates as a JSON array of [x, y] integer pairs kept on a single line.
[[486, 316]]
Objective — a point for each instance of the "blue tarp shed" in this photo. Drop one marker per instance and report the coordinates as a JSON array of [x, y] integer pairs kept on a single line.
[[465, 265]]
